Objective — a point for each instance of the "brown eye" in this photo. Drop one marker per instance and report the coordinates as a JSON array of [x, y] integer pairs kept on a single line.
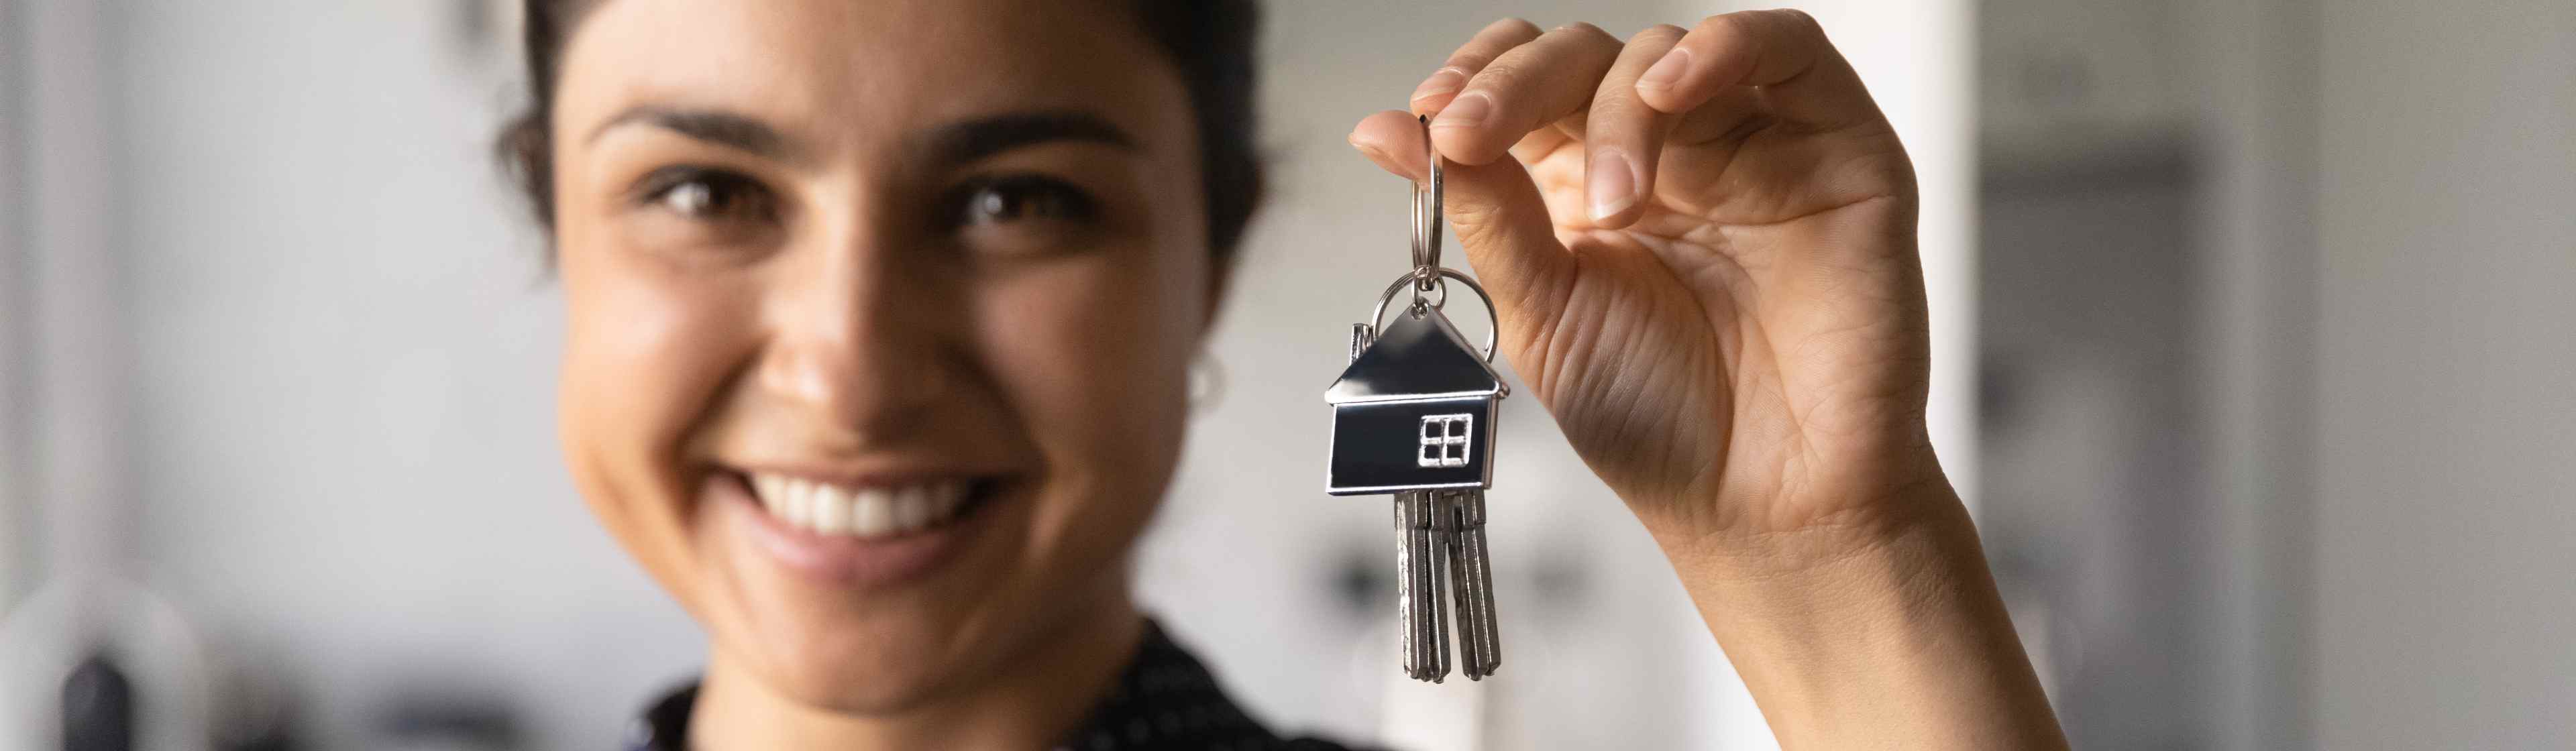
[[687, 209], [693, 198], [1023, 198], [707, 194]]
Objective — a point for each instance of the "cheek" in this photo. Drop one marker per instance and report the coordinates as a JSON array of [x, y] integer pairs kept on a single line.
[[646, 350], [1095, 356]]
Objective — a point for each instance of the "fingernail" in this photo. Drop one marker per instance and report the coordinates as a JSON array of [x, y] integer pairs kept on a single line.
[[1446, 81], [1666, 72], [1613, 184], [1468, 109]]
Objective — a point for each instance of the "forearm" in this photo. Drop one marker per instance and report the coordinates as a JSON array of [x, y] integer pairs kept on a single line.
[[1891, 638]]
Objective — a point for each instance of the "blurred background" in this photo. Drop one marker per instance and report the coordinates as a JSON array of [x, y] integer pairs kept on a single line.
[[2254, 317]]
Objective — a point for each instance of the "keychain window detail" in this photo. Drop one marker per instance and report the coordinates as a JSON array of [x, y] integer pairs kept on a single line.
[[1444, 440]]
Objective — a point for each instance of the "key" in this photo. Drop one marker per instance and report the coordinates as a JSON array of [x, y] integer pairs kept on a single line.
[[1421, 568], [1407, 625], [1480, 648], [1415, 598], [1437, 538]]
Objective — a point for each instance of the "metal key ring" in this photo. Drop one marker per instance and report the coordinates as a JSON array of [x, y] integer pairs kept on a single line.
[[1427, 211], [1492, 331]]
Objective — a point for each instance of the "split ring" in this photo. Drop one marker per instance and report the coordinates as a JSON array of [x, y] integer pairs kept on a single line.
[[1493, 332], [1427, 210]]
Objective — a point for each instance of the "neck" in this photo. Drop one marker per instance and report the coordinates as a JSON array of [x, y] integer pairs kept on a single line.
[[1033, 702]]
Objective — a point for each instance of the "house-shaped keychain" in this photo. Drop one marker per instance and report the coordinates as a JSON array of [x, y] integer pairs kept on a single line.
[[1414, 411]]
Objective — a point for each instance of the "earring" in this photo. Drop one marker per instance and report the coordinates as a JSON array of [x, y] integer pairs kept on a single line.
[[1207, 381]]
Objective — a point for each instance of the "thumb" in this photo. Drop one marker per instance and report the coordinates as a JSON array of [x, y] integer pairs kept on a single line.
[[1499, 216]]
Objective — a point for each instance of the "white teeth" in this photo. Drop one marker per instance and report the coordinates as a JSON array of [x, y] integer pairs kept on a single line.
[[911, 507], [769, 488], [831, 510], [863, 511], [797, 503], [875, 512]]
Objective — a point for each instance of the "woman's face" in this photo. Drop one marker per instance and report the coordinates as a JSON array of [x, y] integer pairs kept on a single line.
[[880, 318]]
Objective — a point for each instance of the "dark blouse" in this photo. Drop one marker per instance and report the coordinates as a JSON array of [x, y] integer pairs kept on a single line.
[[1164, 699]]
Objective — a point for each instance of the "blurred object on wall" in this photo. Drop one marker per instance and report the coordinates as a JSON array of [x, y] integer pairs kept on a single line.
[[486, 35], [425, 720], [2087, 318], [98, 707], [90, 660]]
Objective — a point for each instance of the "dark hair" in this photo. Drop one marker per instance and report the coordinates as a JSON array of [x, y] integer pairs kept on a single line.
[[1210, 41]]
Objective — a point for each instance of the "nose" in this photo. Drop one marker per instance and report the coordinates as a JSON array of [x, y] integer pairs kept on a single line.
[[857, 344]]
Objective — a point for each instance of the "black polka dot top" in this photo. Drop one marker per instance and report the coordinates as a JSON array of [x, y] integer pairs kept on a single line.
[[1164, 701]]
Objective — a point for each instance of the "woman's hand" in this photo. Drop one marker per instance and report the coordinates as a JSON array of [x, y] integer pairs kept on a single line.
[[1701, 246]]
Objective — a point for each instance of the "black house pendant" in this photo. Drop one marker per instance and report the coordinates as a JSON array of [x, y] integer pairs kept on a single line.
[[1414, 411]]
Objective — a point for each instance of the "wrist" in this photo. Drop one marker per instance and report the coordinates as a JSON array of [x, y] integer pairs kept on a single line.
[[1812, 583], [1774, 538], [1890, 623]]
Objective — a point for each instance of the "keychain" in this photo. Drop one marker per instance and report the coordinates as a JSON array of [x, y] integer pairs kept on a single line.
[[1413, 415]]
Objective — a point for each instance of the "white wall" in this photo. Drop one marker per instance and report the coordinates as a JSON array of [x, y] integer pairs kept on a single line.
[[2445, 517], [15, 561], [2254, 66], [345, 373]]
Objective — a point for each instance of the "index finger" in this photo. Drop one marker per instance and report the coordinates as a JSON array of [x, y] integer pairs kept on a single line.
[[1784, 52], [1471, 58]]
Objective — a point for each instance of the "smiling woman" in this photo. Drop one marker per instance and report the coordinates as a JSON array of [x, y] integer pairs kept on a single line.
[[835, 348], [880, 316]]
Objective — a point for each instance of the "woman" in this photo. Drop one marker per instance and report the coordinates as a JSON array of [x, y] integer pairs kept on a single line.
[[880, 318]]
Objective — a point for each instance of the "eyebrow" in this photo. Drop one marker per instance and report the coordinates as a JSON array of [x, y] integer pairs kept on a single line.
[[963, 142], [713, 126], [946, 145]]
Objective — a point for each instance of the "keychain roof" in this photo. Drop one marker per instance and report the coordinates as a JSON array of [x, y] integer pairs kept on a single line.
[[1419, 356]]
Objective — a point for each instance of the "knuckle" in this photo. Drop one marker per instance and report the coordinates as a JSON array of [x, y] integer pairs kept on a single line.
[[1502, 74], [1798, 22], [1512, 25], [1661, 32], [1585, 40], [1614, 111], [1618, 99], [1619, 107], [1581, 29], [1729, 25]]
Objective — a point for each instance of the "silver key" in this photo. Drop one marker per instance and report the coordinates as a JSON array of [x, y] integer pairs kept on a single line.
[[1438, 539], [1409, 632], [1480, 648], [1421, 567]]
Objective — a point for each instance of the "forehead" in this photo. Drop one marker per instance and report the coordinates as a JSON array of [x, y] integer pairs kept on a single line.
[[831, 71]]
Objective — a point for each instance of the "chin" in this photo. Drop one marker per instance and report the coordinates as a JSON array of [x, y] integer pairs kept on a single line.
[[860, 672]]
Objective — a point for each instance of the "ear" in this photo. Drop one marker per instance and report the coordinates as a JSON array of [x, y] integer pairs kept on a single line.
[[1220, 282]]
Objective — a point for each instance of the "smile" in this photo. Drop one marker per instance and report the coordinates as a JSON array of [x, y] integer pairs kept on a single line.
[[870, 534], [864, 512]]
